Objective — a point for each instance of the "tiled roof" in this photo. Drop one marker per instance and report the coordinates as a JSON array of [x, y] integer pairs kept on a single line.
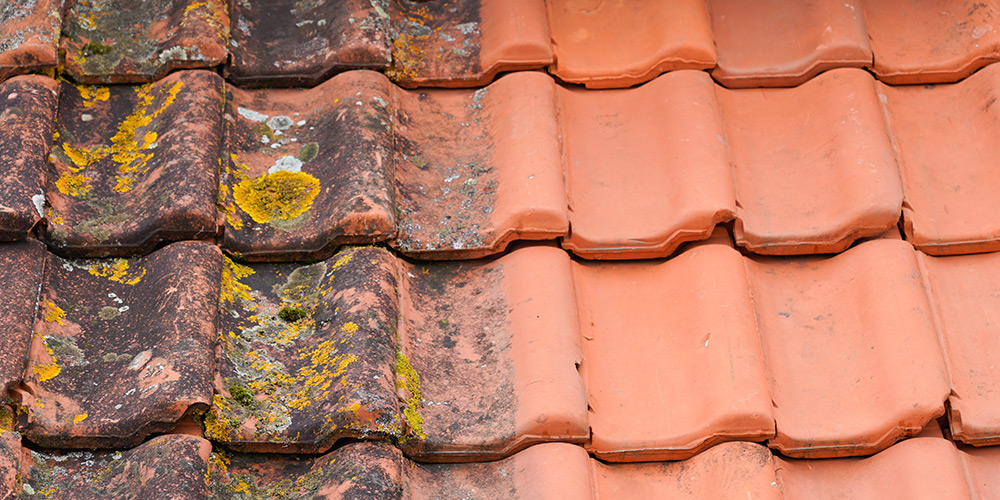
[[466, 249]]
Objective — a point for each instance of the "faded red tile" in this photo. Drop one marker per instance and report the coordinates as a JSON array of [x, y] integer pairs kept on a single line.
[[647, 168], [120, 41], [293, 43], [644, 324], [851, 349], [27, 114], [814, 166], [122, 348], [325, 151], [782, 44], [465, 43], [932, 41], [29, 32], [605, 44], [21, 266], [135, 166], [947, 149]]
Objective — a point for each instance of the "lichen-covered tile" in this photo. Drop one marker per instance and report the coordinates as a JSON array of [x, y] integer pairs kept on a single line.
[[14, 460], [27, 115], [307, 354], [465, 43], [29, 33], [775, 43], [121, 41], [21, 266], [132, 167], [619, 43], [295, 43], [647, 168], [122, 348], [488, 356], [851, 349], [308, 170], [477, 169], [814, 165]]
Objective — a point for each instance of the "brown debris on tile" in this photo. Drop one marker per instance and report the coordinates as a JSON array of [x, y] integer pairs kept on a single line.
[[295, 43], [121, 348], [29, 35], [135, 166], [21, 266], [121, 41], [27, 114], [308, 170]]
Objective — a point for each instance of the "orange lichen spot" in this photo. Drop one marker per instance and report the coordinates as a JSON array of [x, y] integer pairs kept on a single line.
[[53, 312], [282, 195], [123, 184], [47, 371], [350, 326], [73, 184], [117, 270], [232, 288], [80, 418]]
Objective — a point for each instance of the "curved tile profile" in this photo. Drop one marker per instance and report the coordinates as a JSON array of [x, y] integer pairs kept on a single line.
[[21, 266], [781, 44], [697, 318], [142, 327], [29, 34], [932, 41], [647, 168], [27, 115], [132, 167], [465, 43], [982, 468], [293, 43], [949, 181], [814, 166], [121, 41], [608, 44], [308, 170], [851, 349]]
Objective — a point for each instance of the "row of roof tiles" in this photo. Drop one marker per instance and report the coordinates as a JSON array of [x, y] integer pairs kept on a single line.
[[474, 360], [185, 467], [467, 42], [292, 174]]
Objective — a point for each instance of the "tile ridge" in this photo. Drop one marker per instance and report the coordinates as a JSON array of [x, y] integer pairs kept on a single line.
[[935, 309]]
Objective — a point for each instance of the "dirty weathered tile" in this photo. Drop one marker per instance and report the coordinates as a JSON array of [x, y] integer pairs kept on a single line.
[[122, 347], [132, 167], [308, 170], [608, 44], [295, 43], [21, 266], [465, 43], [851, 349], [647, 168], [27, 115], [775, 43], [121, 41], [29, 34]]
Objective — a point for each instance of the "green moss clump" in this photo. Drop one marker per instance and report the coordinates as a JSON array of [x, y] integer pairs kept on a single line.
[[291, 314], [242, 395], [309, 152], [96, 49]]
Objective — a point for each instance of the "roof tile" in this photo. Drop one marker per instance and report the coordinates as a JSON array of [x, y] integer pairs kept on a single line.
[[982, 470], [21, 265], [29, 32]]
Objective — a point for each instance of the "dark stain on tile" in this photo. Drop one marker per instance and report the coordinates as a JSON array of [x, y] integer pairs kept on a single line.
[[434, 42], [29, 32], [21, 266]]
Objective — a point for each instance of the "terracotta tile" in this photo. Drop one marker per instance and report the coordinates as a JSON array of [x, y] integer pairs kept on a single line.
[[851, 348], [915, 468], [949, 182], [107, 367], [781, 44], [647, 168], [643, 323], [14, 461], [931, 41], [29, 31], [621, 43], [814, 166], [21, 267], [27, 114], [476, 170], [307, 354], [465, 43], [982, 470], [119, 41], [290, 43], [329, 147], [135, 166]]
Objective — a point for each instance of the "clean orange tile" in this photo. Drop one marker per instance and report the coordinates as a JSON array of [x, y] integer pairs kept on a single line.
[[607, 44], [982, 470], [851, 349], [775, 43], [647, 168], [814, 165]]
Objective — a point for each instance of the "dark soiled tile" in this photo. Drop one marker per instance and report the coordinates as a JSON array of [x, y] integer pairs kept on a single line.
[[29, 34], [120, 41], [121, 348], [135, 166], [21, 266]]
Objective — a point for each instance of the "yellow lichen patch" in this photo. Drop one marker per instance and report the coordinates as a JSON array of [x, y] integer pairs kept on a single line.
[[92, 94], [6, 418], [53, 312], [117, 270], [232, 288], [82, 157], [217, 426], [282, 195], [80, 418], [343, 260], [350, 326], [123, 184], [407, 378], [73, 184], [292, 331], [47, 371]]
